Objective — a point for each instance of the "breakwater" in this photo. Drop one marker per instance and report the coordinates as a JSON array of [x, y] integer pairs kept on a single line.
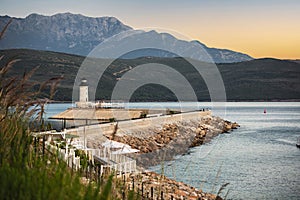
[[150, 185], [160, 138]]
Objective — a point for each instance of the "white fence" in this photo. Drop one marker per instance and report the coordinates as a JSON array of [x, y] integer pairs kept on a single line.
[[116, 162]]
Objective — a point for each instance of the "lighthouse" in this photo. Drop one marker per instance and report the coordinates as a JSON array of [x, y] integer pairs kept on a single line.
[[83, 91]]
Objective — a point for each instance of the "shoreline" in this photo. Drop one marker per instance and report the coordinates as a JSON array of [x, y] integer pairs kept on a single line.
[[158, 145], [202, 101], [157, 186], [158, 139], [162, 142]]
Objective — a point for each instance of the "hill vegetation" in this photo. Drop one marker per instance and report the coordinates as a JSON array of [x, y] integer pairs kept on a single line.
[[256, 80]]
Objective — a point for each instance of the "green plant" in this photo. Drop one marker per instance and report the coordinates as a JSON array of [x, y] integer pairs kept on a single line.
[[172, 112], [26, 170], [112, 119], [143, 115]]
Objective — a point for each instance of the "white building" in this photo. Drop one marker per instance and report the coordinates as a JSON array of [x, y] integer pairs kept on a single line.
[[84, 95], [85, 103], [83, 91]]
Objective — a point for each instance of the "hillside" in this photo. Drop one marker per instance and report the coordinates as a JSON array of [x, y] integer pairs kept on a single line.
[[261, 79]]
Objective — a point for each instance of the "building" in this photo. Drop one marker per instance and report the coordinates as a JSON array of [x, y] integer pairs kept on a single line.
[[84, 95], [83, 91], [85, 103]]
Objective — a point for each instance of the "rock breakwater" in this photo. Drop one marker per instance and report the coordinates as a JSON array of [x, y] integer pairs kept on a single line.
[[161, 144], [151, 185]]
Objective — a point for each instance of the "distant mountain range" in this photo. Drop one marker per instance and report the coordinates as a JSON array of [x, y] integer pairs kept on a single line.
[[255, 80], [66, 32], [78, 34]]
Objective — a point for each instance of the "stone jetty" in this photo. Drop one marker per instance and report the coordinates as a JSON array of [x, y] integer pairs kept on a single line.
[[162, 143]]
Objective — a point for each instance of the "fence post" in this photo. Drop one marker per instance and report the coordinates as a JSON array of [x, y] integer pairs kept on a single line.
[[72, 164], [132, 183], [151, 192], [43, 145], [91, 170], [86, 171], [142, 189], [123, 195], [35, 148], [162, 195], [98, 171]]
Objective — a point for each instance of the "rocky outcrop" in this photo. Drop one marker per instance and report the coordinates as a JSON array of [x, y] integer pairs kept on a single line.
[[211, 127], [228, 126]]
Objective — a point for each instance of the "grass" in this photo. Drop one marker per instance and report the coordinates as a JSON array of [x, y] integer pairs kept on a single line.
[[25, 173], [26, 170]]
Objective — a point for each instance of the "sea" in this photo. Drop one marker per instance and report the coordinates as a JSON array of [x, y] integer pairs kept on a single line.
[[259, 160]]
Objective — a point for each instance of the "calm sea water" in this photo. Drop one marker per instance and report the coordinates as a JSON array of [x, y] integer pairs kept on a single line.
[[259, 160]]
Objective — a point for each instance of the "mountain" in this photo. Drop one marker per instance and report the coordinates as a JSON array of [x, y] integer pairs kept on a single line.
[[296, 61], [78, 34], [255, 80], [69, 33], [166, 45]]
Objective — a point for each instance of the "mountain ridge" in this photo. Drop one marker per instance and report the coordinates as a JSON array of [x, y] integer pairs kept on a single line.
[[79, 34], [63, 32]]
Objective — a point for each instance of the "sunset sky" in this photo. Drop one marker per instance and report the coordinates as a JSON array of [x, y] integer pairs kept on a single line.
[[260, 28]]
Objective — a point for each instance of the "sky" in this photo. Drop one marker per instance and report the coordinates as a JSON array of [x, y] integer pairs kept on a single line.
[[259, 28]]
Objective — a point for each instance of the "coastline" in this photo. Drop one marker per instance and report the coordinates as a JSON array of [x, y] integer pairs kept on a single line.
[[243, 113], [162, 143], [202, 101], [157, 186]]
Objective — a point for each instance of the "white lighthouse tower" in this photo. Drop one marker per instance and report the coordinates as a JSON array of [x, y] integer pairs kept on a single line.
[[83, 91], [83, 94]]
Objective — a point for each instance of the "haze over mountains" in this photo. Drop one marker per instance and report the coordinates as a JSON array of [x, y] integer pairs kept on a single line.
[[78, 34]]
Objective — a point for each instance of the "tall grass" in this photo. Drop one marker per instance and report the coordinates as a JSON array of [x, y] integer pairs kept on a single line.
[[25, 172]]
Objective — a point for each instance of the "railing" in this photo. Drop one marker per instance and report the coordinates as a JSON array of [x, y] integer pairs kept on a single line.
[[68, 155], [115, 162]]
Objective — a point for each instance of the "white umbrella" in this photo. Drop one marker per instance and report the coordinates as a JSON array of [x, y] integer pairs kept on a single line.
[[114, 145], [125, 150]]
